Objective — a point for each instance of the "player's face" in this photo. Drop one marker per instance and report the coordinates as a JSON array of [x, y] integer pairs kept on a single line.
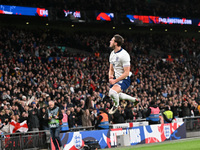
[[112, 43]]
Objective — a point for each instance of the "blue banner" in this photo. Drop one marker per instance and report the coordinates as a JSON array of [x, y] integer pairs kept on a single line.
[[27, 11], [162, 20]]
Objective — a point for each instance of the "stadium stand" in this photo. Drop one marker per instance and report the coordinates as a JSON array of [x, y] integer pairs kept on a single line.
[[32, 73]]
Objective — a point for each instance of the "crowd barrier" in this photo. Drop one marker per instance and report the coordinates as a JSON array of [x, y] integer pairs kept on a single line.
[[20, 141], [192, 123], [138, 131]]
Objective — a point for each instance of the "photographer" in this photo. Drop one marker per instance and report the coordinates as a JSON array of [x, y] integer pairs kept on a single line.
[[54, 116]]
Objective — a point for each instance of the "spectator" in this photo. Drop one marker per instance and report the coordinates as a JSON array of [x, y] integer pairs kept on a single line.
[[174, 108], [119, 116], [94, 115], [89, 102], [43, 118], [7, 116], [194, 109], [34, 118], [79, 114], [186, 112], [2, 117], [87, 118], [69, 103], [71, 119]]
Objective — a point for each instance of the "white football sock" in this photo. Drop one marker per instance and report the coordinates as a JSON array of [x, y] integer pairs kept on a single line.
[[114, 96], [123, 96]]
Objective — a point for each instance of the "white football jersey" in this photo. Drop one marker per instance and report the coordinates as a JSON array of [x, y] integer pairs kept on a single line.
[[119, 60]]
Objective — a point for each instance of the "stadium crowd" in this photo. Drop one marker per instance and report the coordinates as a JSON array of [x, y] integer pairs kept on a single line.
[[32, 74], [172, 44], [164, 8]]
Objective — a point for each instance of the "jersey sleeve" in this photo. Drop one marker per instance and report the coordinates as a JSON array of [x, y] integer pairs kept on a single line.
[[125, 59]]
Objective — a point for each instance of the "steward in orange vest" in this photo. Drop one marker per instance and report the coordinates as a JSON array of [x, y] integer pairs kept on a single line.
[[102, 120]]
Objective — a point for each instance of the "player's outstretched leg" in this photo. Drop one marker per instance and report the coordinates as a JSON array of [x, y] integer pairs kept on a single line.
[[115, 97], [123, 96]]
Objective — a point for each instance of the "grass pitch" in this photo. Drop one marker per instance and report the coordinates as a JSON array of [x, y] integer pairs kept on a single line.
[[186, 144]]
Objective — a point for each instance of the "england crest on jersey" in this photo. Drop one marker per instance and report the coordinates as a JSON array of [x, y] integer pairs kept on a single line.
[[117, 58], [167, 132]]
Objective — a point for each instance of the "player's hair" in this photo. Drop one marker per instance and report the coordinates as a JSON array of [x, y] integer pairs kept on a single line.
[[119, 39]]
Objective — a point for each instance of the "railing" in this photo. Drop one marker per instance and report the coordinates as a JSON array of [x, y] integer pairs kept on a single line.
[[81, 128], [136, 120], [21, 141], [192, 123]]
